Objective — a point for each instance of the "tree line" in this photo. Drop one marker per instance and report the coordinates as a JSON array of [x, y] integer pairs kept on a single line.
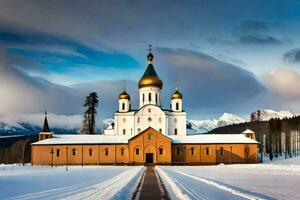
[[276, 137], [16, 149]]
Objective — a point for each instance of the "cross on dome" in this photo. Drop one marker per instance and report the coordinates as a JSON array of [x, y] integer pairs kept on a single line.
[[150, 48]]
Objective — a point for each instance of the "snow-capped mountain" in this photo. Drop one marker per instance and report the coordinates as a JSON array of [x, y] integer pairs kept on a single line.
[[228, 118], [267, 114], [32, 124], [202, 126]]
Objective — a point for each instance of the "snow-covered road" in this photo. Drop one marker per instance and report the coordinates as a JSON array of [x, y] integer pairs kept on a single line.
[[104, 182], [277, 180]]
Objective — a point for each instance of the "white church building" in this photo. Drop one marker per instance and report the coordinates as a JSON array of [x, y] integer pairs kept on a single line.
[[129, 122]]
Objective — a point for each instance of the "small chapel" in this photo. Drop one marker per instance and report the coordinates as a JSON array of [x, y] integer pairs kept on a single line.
[[149, 134]]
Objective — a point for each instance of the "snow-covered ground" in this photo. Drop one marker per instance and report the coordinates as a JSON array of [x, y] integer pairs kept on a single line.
[[272, 180], [88, 182]]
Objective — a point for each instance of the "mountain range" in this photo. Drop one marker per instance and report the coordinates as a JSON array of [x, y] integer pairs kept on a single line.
[[31, 124]]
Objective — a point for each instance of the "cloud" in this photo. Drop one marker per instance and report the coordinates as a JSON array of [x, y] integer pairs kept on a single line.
[[22, 93], [208, 85], [259, 40], [284, 83], [37, 119], [292, 56], [39, 52], [257, 26], [254, 32]]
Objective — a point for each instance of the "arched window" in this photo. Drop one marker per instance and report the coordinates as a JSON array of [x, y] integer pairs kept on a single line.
[[106, 151], [138, 120], [161, 151], [160, 130], [221, 151], [57, 153], [137, 151], [123, 106], [139, 130], [124, 131], [73, 152], [192, 151], [175, 131], [155, 98], [149, 96], [177, 150], [207, 151], [177, 106], [122, 151], [143, 97], [90, 152]]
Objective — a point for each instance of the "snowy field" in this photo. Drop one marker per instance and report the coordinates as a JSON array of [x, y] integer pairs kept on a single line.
[[88, 182], [277, 180]]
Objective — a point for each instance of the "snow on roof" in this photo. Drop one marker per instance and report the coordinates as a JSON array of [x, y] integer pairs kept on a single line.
[[247, 131], [116, 139], [212, 139], [84, 139]]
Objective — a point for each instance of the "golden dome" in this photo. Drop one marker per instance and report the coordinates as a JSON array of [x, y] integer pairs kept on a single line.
[[150, 81], [176, 95], [124, 95], [150, 78]]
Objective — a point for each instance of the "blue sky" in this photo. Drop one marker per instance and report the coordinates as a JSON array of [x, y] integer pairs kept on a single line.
[[230, 56]]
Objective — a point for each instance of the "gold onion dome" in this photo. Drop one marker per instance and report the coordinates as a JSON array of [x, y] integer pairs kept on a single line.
[[150, 78], [124, 95], [176, 95]]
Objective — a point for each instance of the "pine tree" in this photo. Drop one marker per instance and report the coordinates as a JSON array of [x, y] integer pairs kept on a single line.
[[91, 102]]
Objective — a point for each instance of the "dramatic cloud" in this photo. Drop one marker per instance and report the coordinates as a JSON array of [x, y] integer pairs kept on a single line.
[[90, 45], [206, 82], [38, 53], [292, 56], [21, 93]]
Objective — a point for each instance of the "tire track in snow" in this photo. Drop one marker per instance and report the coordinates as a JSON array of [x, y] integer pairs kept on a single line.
[[220, 186], [86, 190]]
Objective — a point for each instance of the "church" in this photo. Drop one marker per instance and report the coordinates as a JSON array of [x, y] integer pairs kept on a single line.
[[149, 134], [129, 122]]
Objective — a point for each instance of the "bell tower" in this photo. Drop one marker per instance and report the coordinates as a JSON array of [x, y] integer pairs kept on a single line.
[[176, 101], [45, 133]]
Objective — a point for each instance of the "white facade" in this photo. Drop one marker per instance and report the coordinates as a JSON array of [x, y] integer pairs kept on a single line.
[[130, 122], [150, 95]]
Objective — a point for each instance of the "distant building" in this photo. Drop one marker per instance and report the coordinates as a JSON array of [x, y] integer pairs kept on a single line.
[[149, 134]]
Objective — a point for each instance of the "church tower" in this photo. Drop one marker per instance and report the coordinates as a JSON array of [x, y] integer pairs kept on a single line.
[[124, 102], [150, 85], [46, 133], [176, 101]]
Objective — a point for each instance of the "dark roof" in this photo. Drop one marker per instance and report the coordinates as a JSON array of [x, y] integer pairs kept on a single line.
[[46, 126], [150, 71]]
